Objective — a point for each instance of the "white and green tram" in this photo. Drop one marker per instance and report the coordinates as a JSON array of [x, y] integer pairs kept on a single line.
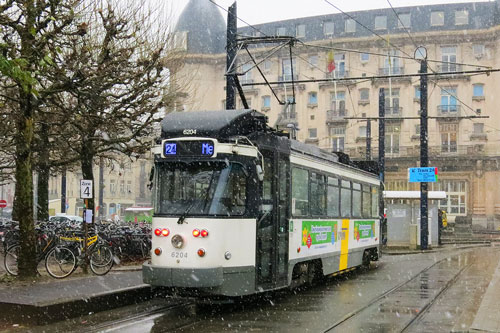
[[240, 208]]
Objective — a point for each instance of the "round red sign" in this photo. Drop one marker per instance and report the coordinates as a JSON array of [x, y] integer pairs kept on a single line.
[[3, 203]]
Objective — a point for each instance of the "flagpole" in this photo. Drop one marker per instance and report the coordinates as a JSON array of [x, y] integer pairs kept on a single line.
[[390, 79]]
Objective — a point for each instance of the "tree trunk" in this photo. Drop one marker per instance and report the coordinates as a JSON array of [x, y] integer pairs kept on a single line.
[[43, 175], [43, 193], [87, 157], [27, 262], [24, 189]]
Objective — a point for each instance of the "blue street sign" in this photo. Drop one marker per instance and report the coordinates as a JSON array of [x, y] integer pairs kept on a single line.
[[421, 175]]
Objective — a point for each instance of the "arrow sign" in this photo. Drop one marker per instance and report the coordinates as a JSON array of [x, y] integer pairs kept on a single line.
[[423, 175]]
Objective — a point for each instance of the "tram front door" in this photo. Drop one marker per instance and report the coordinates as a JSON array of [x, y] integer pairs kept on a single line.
[[272, 227]]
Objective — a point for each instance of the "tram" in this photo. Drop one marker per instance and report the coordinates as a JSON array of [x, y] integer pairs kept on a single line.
[[239, 208]]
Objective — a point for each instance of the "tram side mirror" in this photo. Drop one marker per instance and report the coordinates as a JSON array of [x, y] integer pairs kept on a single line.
[[260, 172]]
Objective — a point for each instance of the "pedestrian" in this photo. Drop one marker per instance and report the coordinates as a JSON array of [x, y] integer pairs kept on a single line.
[[440, 225]]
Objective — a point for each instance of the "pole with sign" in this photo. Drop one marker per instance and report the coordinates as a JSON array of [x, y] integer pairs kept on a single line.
[[419, 175], [86, 192], [423, 176], [3, 204], [424, 156]]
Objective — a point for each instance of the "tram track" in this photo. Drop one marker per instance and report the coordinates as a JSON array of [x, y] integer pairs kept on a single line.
[[418, 314], [426, 308], [145, 316]]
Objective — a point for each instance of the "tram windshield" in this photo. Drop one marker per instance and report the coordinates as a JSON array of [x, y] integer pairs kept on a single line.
[[201, 188]]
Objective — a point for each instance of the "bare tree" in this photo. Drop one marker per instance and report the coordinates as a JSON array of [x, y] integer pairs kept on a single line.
[[118, 81], [27, 29]]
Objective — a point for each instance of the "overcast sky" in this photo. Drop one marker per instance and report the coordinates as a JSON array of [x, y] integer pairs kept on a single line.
[[261, 11]]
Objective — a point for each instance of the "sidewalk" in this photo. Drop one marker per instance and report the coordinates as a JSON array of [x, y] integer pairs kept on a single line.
[[487, 318], [446, 247], [51, 300]]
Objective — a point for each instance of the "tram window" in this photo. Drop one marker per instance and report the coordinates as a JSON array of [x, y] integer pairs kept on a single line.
[[375, 202], [300, 191], [366, 201], [333, 181], [268, 179], [333, 197], [236, 191], [345, 199], [356, 200], [202, 189], [318, 194]]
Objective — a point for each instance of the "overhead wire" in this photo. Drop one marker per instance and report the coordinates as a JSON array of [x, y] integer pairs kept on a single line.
[[407, 56], [386, 40], [432, 70], [405, 29], [238, 18]]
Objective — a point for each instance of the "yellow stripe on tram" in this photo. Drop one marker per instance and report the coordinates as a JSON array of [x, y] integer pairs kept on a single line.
[[344, 245]]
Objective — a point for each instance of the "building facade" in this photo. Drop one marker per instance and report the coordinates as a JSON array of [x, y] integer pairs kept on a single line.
[[455, 37], [125, 184]]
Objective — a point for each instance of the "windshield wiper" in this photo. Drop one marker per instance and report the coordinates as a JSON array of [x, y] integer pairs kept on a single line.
[[205, 199], [183, 216]]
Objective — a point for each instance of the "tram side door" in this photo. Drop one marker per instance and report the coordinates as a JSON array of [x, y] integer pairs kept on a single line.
[[272, 228]]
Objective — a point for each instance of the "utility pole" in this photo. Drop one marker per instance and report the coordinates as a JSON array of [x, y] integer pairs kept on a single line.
[[368, 140], [63, 191], [424, 156], [101, 188], [231, 57], [381, 158]]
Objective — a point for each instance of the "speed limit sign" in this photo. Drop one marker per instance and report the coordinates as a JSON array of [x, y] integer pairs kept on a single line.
[[85, 189]]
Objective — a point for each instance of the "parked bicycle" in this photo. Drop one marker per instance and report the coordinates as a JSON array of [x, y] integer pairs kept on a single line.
[[46, 240], [65, 258]]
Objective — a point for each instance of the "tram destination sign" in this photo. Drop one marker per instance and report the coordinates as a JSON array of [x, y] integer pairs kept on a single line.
[[204, 148], [423, 175]]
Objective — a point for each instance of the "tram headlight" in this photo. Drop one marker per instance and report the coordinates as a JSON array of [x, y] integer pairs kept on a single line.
[[227, 255], [177, 241]]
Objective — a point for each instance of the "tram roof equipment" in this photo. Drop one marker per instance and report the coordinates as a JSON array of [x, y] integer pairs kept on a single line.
[[221, 124]]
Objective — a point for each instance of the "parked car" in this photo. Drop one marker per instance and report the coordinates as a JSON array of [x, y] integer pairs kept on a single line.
[[66, 218]]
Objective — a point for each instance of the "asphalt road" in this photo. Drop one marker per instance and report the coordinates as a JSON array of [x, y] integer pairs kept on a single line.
[[411, 293]]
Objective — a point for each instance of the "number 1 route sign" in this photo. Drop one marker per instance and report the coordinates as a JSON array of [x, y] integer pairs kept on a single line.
[[85, 189], [423, 175]]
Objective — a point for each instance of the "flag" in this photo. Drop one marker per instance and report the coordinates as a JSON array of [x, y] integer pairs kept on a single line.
[[331, 62]]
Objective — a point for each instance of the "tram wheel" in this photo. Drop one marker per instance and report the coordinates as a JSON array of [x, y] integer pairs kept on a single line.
[[365, 262]]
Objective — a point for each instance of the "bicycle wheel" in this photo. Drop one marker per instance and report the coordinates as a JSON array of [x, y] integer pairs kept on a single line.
[[60, 262], [101, 260], [10, 259]]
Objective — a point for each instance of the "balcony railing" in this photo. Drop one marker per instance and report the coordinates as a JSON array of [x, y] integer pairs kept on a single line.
[[442, 151], [292, 115], [391, 70], [337, 74], [450, 110], [288, 77], [447, 67], [393, 111], [246, 81], [336, 115]]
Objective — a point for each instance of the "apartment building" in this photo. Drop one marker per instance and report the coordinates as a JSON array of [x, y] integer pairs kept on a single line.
[[454, 37]]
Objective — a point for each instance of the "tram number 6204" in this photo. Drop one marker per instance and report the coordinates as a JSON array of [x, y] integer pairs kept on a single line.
[[176, 254]]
